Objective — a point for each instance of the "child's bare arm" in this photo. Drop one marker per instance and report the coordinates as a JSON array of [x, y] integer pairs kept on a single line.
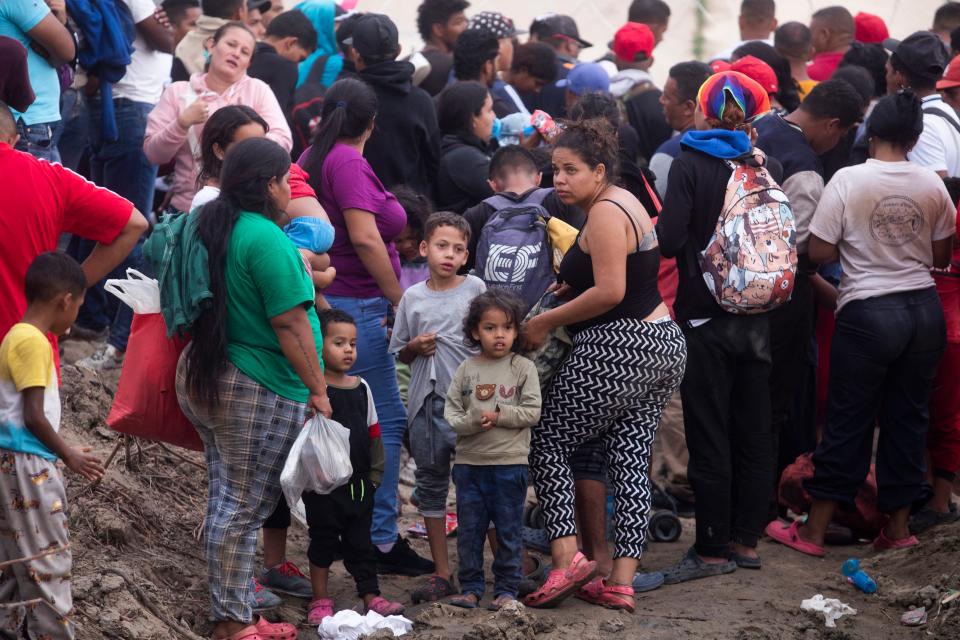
[[423, 345], [36, 421]]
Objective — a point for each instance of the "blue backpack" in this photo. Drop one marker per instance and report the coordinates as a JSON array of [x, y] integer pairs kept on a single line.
[[513, 250], [107, 32]]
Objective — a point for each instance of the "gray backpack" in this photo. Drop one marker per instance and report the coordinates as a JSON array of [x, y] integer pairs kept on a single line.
[[513, 251]]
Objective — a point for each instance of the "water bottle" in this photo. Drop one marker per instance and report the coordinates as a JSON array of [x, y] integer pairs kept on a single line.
[[858, 577], [512, 127]]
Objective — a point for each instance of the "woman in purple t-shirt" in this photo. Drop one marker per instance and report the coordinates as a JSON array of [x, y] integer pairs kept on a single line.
[[367, 218]]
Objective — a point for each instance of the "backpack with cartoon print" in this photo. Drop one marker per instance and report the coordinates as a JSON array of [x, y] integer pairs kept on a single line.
[[750, 261]]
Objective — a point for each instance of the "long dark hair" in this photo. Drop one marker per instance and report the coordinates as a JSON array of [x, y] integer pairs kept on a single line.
[[219, 130], [349, 106], [248, 168]]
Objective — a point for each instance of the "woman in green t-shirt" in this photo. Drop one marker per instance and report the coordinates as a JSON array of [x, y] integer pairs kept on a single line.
[[251, 374]]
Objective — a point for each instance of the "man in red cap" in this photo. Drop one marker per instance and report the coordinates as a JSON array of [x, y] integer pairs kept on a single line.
[[757, 21], [758, 70], [632, 48], [949, 86], [869, 29]]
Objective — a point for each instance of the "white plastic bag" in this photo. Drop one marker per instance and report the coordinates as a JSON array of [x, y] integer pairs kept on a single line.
[[319, 459], [831, 608], [140, 293], [350, 625]]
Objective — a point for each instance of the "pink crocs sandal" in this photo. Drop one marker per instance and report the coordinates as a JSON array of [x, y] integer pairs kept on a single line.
[[384, 607], [247, 633], [562, 583], [885, 543], [318, 610], [276, 630], [786, 534]]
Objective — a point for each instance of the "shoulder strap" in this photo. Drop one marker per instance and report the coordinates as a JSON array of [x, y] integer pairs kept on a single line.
[[936, 112], [629, 217], [316, 71], [537, 196], [499, 202]]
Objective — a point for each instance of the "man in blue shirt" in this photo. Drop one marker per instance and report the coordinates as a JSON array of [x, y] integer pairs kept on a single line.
[[49, 44]]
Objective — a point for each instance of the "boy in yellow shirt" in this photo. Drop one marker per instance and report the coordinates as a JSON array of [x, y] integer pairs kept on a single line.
[[33, 498]]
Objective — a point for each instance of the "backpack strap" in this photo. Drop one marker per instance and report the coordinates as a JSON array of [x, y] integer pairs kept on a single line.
[[499, 202], [936, 112], [316, 71], [537, 196]]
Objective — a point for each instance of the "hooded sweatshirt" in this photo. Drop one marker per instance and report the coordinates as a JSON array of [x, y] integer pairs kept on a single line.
[[190, 50], [695, 196], [462, 179], [166, 140], [321, 13], [404, 147]]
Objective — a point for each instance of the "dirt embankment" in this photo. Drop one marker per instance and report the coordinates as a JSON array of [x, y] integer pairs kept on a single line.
[[139, 568]]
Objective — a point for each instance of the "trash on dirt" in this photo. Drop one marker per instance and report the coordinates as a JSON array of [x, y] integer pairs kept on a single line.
[[858, 577], [914, 617], [950, 596], [831, 608], [350, 625]]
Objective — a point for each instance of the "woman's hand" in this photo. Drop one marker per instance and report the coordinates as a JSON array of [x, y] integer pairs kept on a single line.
[[560, 289], [196, 113], [536, 331], [319, 404]]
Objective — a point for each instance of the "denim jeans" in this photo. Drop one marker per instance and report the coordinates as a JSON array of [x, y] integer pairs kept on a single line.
[[121, 165], [377, 366], [38, 140], [432, 445], [883, 361], [485, 494], [726, 415], [73, 142]]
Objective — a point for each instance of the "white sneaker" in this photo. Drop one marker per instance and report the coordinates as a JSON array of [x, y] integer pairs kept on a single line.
[[103, 360]]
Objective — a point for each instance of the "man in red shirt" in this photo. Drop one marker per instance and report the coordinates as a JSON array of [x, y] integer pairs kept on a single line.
[[39, 201], [832, 30]]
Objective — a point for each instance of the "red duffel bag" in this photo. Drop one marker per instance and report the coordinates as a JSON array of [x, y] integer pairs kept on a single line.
[[145, 404]]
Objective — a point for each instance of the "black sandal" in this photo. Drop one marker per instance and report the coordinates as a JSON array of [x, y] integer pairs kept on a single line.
[[435, 589]]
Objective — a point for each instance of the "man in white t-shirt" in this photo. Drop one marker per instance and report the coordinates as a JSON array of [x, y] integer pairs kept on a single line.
[[917, 63], [120, 165]]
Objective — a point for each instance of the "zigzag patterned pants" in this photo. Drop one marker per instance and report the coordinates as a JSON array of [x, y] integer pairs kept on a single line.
[[615, 383]]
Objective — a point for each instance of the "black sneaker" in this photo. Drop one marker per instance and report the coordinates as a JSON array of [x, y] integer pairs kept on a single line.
[[402, 560]]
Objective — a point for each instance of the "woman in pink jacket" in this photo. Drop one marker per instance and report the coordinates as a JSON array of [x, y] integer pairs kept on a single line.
[[175, 125]]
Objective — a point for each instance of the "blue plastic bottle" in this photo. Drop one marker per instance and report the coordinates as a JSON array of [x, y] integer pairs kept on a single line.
[[858, 577]]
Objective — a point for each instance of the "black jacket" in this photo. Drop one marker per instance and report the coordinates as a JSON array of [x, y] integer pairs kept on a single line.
[[480, 214], [464, 168], [405, 145], [276, 71], [695, 193], [645, 115]]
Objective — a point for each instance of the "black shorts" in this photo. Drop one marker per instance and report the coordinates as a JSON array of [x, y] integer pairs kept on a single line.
[[589, 461]]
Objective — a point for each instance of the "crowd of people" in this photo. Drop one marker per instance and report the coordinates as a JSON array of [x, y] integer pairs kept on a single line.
[[522, 267]]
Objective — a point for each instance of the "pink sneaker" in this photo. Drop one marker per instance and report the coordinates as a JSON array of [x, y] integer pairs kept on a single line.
[[318, 610], [384, 607]]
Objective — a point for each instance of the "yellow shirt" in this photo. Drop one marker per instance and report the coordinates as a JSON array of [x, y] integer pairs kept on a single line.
[[26, 361]]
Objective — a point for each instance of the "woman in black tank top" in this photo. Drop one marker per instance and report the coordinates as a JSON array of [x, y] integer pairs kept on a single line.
[[627, 360]]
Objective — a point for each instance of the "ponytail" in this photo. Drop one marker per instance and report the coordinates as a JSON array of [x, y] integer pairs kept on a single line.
[[349, 107]]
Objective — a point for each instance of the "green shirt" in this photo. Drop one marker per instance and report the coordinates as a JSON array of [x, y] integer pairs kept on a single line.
[[265, 277]]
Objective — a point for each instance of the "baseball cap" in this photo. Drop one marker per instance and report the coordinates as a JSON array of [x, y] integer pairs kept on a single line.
[[951, 78], [555, 25], [586, 77], [758, 70], [870, 29], [748, 94], [720, 65], [496, 23], [260, 5], [922, 53], [374, 37], [633, 42]]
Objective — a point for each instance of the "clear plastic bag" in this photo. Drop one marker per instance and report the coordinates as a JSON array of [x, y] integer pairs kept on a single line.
[[137, 291], [319, 459]]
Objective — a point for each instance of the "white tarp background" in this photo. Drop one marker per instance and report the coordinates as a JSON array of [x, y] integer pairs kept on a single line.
[[598, 20]]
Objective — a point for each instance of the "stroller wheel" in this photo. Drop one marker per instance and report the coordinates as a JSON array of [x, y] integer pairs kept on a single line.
[[665, 526]]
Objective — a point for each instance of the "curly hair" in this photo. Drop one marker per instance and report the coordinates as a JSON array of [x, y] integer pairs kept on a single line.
[[503, 299], [431, 12], [595, 141]]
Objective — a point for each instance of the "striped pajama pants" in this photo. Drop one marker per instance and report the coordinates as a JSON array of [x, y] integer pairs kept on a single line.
[[615, 384], [246, 439]]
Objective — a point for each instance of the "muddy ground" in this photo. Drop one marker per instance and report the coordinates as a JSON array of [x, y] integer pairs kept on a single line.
[[139, 571]]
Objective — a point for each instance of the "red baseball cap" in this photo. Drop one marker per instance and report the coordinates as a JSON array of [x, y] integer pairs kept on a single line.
[[633, 42], [951, 77], [719, 66], [870, 29], [758, 70]]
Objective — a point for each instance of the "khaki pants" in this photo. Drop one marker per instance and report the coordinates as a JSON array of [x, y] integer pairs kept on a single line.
[[670, 455]]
